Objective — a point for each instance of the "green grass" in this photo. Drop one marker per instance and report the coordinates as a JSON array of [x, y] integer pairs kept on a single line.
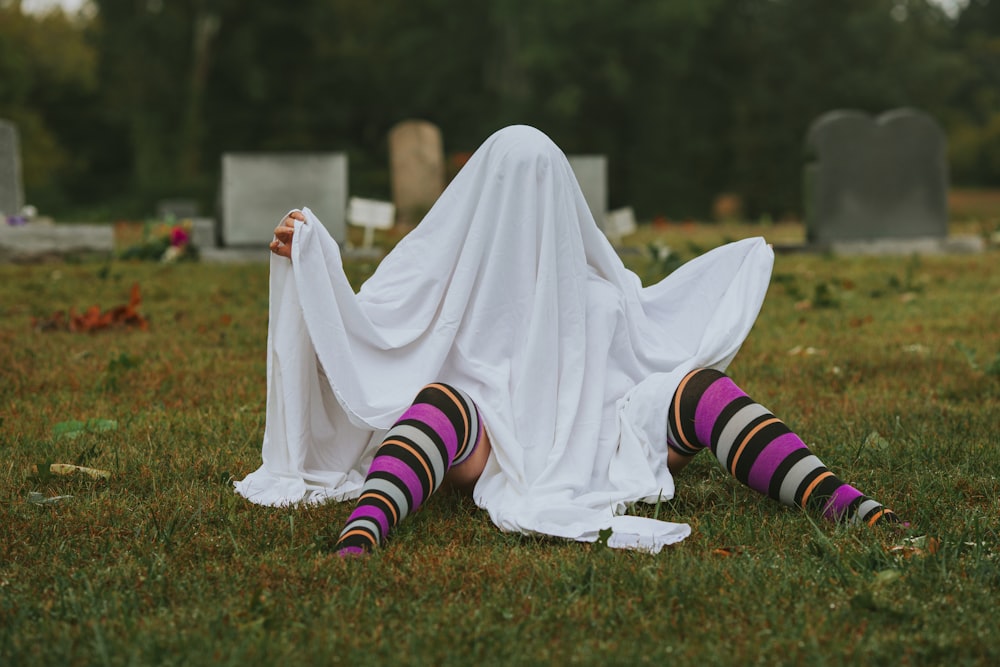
[[887, 366]]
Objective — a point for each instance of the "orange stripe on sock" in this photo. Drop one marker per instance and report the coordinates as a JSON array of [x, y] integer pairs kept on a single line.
[[358, 531], [878, 515], [812, 487], [677, 411], [388, 503], [746, 441], [423, 462], [463, 409]]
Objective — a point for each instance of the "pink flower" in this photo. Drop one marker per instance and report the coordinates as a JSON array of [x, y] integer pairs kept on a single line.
[[178, 236]]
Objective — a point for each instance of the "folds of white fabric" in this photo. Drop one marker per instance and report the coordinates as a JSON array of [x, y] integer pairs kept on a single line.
[[508, 290]]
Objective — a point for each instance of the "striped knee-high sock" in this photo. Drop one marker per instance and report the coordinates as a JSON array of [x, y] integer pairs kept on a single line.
[[439, 430], [758, 449]]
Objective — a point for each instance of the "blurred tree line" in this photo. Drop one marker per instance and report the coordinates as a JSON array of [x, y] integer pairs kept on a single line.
[[136, 100]]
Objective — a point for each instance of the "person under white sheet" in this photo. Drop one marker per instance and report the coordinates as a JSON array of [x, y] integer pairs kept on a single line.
[[503, 346]]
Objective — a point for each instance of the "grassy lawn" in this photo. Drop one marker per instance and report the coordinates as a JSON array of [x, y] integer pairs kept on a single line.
[[888, 367]]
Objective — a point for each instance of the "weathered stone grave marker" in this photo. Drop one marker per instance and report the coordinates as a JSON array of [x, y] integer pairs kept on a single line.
[[11, 186], [37, 242], [259, 188], [873, 179], [417, 168]]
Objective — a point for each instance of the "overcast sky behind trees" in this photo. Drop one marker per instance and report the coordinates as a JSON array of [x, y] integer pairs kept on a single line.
[[950, 6]]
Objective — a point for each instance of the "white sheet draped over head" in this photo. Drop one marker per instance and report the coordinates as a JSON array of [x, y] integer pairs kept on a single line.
[[508, 290]]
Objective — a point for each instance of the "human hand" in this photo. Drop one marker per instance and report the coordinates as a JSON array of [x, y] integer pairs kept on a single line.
[[282, 243]]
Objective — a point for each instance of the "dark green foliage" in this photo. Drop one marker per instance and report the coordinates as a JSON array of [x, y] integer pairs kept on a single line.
[[689, 98]]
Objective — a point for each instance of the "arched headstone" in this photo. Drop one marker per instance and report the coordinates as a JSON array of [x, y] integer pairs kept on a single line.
[[876, 178]]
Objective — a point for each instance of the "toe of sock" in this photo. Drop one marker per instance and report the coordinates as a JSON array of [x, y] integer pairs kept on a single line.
[[352, 552], [884, 517]]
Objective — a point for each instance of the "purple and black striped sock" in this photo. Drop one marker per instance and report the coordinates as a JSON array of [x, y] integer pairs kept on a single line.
[[759, 450], [439, 430]]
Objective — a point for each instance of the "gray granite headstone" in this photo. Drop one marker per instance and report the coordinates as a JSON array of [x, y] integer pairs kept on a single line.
[[592, 173], [416, 160], [259, 188], [11, 186], [876, 178]]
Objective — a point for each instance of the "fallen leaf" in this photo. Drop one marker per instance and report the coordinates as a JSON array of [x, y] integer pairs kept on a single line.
[[887, 577], [68, 429], [810, 351], [68, 469], [725, 552], [73, 428], [94, 319], [875, 440], [911, 547]]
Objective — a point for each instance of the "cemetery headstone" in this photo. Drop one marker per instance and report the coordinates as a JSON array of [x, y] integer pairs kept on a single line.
[[11, 186], [38, 242], [417, 167], [592, 174], [259, 188], [876, 178]]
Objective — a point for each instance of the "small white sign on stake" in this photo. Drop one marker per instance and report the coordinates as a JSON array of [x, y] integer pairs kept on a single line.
[[620, 223], [370, 214]]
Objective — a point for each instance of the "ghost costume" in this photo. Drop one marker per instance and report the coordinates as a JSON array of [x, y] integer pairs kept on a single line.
[[508, 290]]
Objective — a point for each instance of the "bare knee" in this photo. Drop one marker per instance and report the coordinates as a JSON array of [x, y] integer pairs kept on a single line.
[[463, 477]]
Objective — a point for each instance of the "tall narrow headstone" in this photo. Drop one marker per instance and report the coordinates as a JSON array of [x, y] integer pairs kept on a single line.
[[876, 178], [592, 173], [417, 167], [11, 186], [259, 188]]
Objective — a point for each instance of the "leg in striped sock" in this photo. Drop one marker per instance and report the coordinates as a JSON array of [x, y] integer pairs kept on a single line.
[[441, 429], [709, 410]]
